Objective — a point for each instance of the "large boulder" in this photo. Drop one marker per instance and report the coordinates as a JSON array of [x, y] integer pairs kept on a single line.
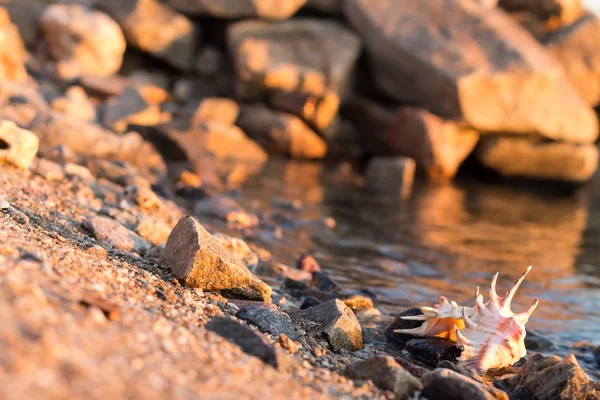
[[84, 42], [304, 54], [155, 28], [464, 61], [264, 9], [12, 50]]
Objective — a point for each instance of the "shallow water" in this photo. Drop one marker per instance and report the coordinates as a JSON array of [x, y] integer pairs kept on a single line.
[[445, 239]]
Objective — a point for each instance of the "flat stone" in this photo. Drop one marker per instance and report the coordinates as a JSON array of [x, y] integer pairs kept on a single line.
[[281, 133], [154, 27], [239, 249], [467, 62], [83, 41], [323, 57], [263, 9], [249, 341], [111, 233], [199, 260], [445, 384], [576, 47], [552, 378], [433, 350], [391, 174], [17, 146], [273, 322], [13, 53], [523, 157], [336, 321], [385, 374]]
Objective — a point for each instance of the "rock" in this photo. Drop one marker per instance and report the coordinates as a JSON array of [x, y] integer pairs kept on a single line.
[[83, 41], [288, 344], [199, 260], [534, 341], [111, 233], [463, 61], [309, 302], [565, 11], [217, 109], [385, 374], [318, 111], [155, 28], [129, 108], [263, 9], [336, 321], [76, 103], [575, 46], [433, 350], [306, 262], [445, 384], [523, 157], [414, 369], [552, 378], [80, 172], [323, 57], [225, 208], [47, 169], [283, 133], [249, 341], [26, 16], [241, 304], [12, 51], [17, 146], [358, 302], [596, 354], [323, 282], [395, 174], [152, 229], [239, 249], [273, 322]]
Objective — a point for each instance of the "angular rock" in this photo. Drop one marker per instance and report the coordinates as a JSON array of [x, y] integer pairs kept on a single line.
[[566, 11], [385, 374], [464, 61], [155, 28], [239, 249], [336, 321], [76, 103], [445, 384], [249, 341], [83, 41], [111, 233], [279, 132], [12, 51], [273, 322], [263, 9], [17, 146], [304, 54], [199, 260], [576, 47], [391, 174], [217, 109], [552, 378], [523, 157], [433, 350]]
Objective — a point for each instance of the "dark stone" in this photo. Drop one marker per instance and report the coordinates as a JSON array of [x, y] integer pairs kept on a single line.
[[292, 283], [323, 282], [274, 322], [373, 335], [521, 393], [309, 302], [445, 384], [433, 350], [534, 341], [399, 323]]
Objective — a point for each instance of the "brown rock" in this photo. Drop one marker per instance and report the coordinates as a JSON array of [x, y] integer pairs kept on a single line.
[[523, 157], [263, 9], [576, 47], [129, 108], [155, 28], [391, 173], [552, 378], [218, 109], [386, 374], [464, 61], [306, 55], [111, 233], [17, 146], [12, 51], [279, 132], [200, 261], [26, 14], [558, 11], [76, 103], [318, 111], [83, 41], [445, 384]]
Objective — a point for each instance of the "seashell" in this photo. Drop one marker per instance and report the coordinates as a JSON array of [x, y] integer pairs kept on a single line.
[[492, 336]]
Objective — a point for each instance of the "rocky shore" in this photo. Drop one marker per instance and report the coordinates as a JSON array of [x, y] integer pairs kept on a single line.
[[126, 127]]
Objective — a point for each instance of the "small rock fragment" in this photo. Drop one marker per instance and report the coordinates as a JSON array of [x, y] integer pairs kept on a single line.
[[288, 344], [358, 302], [433, 350], [385, 374], [199, 260], [391, 174], [83, 41], [336, 321], [111, 233], [17, 146], [445, 384], [273, 322]]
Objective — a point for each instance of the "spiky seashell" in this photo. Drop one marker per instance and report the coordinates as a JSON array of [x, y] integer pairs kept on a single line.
[[491, 335]]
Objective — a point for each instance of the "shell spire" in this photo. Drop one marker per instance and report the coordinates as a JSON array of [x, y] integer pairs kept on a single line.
[[490, 333]]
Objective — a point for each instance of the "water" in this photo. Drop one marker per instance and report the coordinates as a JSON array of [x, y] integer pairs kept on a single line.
[[444, 239]]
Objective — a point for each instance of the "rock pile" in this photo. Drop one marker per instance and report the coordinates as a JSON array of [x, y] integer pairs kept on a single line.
[[220, 85]]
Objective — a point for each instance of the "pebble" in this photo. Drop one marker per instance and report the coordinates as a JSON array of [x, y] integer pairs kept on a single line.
[[445, 384], [274, 322], [432, 350], [17, 146], [111, 233], [399, 323], [48, 170]]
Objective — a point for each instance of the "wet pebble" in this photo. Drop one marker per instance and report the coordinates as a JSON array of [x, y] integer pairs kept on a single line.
[[274, 322], [535, 341], [433, 350]]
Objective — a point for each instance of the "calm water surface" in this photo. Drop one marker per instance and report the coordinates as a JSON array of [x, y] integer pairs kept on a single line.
[[444, 240]]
